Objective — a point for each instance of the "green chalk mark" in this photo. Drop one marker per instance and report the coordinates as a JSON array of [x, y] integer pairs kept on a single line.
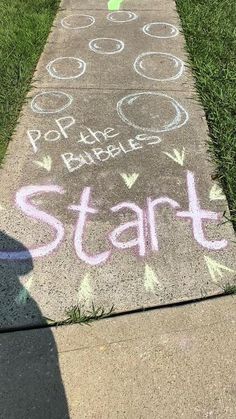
[[24, 295], [114, 4]]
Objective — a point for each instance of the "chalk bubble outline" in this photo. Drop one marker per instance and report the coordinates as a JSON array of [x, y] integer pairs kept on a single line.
[[132, 14], [179, 108], [146, 27], [51, 72], [121, 43], [37, 109], [63, 24], [173, 57]]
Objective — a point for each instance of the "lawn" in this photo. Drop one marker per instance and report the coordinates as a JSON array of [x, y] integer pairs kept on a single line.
[[24, 28], [210, 30]]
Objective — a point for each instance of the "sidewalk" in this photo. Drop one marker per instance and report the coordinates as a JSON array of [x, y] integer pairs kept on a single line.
[[108, 198], [171, 363], [107, 192]]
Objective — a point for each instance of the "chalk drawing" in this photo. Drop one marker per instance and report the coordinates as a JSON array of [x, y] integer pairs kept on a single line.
[[152, 206], [106, 45], [22, 297], [160, 30], [151, 282], [114, 4], [216, 193], [216, 269], [51, 102], [196, 214], [129, 179], [46, 163], [137, 225], [88, 136], [83, 209], [144, 223], [66, 68], [100, 155], [77, 21], [36, 135], [159, 112], [177, 156], [151, 65], [22, 202], [85, 291], [121, 16]]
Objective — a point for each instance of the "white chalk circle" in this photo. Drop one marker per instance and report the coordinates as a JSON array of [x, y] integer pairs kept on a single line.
[[77, 21], [51, 102], [65, 68], [159, 66], [121, 16], [152, 111], [106, 45], [160, 30]]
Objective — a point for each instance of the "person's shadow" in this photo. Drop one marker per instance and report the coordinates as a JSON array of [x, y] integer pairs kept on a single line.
[[30, 381]]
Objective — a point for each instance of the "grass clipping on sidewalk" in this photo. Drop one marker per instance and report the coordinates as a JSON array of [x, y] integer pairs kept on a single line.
[[210, 33], [24, 28]]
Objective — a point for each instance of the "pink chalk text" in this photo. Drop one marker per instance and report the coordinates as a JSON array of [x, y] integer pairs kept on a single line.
[[144, 224]]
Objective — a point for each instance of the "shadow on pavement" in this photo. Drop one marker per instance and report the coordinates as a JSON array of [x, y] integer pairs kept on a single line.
[[30, 380]]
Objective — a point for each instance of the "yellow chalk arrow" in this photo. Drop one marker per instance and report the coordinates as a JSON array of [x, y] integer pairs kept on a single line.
[[215, 268], [46, 163], [151, 281], [177, 156], [216, 193], [49, 321], [129, 179], [23, 295], [85, 290]]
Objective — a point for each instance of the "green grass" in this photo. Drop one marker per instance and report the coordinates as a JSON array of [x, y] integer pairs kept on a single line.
[[210, 32], [79, 315], [229, 289], [24, 27], [76, 314]]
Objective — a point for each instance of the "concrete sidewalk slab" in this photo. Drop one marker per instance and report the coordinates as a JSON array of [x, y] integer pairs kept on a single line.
[[170, 363], [179, 269], [79, 58], [127, 5], [107, 193]]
